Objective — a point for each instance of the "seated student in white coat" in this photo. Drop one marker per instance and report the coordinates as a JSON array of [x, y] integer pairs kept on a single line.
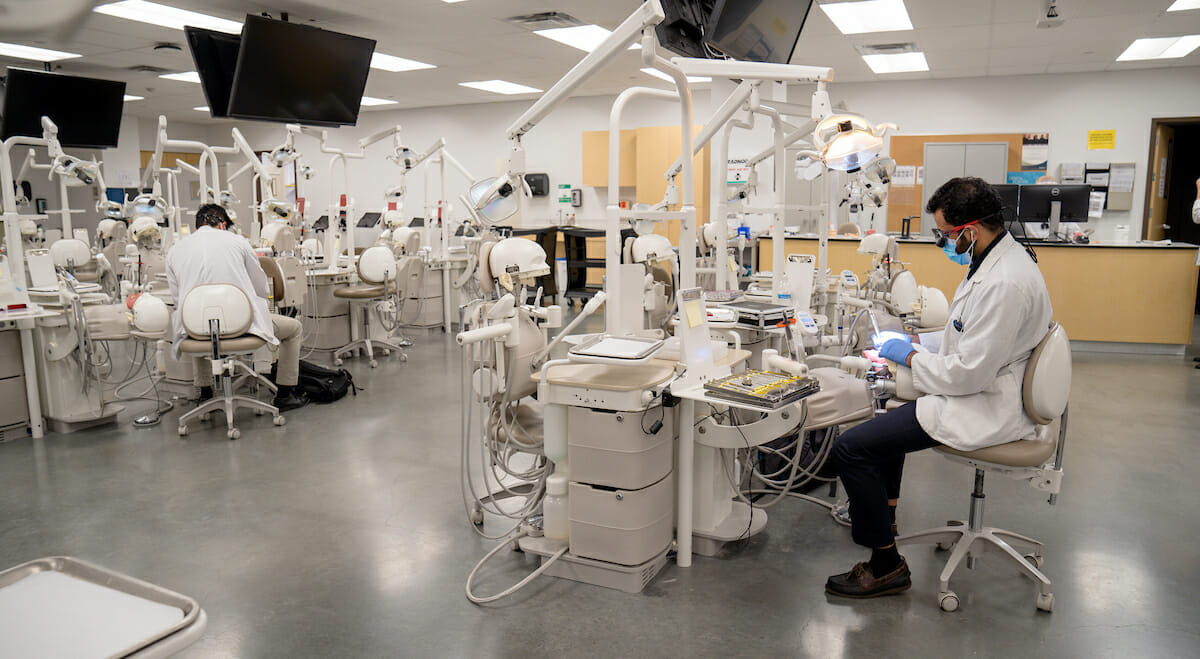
[[213, 255], [972, 386]]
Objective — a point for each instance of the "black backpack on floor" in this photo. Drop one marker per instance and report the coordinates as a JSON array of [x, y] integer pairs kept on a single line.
[[323, 385]]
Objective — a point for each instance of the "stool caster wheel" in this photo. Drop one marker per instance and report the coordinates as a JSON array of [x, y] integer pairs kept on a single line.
[[944, 546], [183, 431], [403, 358], [1036, 560], [233, 434], [279, 420], [386, 352], [374, 363], [477, 515], [948, 601], [337, 362], [1045, 602]]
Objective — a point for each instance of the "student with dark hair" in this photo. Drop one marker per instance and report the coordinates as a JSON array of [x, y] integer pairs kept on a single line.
[[971, 387], [213, 255]]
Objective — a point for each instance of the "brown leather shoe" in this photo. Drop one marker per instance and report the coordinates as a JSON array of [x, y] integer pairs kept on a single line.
[[859, 583]]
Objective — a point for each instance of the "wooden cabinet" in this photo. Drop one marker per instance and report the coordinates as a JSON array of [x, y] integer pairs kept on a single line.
[[646, 153], [595, 158]]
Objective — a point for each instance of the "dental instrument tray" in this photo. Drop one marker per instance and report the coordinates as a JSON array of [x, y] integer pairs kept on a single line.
[[621, 350], [760, 315], [722, 297], [62, 606], [765, 389]]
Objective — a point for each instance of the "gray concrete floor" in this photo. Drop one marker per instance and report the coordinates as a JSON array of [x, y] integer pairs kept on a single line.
[[343, 534]]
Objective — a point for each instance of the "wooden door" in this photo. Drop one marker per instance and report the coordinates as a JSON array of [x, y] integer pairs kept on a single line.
[[1160, 168]]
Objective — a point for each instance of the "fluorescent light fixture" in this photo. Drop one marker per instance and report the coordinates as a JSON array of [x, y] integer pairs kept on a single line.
[[35, 54], [868, 16], [584, 37], [897, 63], [450, 2], [662, 76], [500, 87], [190, 76], [201, 108], [370, 100], [1160, 48], [1184, 5], [394, 64], [164, 16], [131, 97]]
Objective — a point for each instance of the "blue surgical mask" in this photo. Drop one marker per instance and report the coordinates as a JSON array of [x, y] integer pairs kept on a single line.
[[951, 252]]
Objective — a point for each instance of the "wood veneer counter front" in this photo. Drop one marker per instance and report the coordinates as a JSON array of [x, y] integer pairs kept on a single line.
[[1126, 293]]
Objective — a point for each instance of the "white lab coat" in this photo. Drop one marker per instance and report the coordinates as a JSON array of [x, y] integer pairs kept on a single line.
[[213, 256], [1196, 211], [973, 384]]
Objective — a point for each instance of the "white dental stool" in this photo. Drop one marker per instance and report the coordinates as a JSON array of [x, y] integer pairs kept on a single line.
[[217, 318], [1036, 459], [377, 270]]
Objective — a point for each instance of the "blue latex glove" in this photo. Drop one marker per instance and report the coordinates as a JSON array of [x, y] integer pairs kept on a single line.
[[896, 350]]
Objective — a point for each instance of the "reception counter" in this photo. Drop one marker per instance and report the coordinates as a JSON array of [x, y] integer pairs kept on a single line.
[[1120, 293]]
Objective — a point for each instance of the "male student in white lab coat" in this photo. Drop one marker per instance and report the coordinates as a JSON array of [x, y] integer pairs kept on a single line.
[[971, 387], [213, 255], [1196, 204]]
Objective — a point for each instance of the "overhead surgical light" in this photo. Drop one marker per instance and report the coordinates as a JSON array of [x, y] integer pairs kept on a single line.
[[846, 142], [77, 171], [274, 209], [880, 170], [494, 199]]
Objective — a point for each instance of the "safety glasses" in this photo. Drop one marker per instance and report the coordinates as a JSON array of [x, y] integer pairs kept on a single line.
[[952, 234]]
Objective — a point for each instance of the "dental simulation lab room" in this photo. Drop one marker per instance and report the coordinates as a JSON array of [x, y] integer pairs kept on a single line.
[[639, 328]]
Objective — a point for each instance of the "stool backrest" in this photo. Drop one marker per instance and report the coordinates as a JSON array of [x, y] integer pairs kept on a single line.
[[377, 265], [225, 302], [70, 251], [1047, 383]]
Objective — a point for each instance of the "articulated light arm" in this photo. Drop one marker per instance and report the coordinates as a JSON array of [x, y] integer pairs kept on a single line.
[[649, 14], [723, 114]]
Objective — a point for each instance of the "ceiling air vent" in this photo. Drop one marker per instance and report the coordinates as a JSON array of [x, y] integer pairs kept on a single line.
[[887, 49], [544, 20], [146, 68]]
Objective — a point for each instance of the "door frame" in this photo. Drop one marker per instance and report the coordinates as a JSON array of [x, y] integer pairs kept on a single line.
[[1155, 122]]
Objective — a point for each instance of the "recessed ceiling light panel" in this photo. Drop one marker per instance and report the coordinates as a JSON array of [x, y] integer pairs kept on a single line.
[[1184, 5], [394, 64], [500, 87], [1160, 48], [131, 97], [164, 16], [898, 63], [868, 16], [189, 76], [370, 100], [35, 54]]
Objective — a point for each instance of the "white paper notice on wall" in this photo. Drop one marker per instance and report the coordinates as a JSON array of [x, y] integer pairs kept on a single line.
[[1096, 205], [1071, 170], [1097, 178], [1121, 178], [920, 176], [905, 176]]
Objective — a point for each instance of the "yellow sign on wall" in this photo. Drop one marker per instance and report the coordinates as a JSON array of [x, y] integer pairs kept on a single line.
[[1102, 139]]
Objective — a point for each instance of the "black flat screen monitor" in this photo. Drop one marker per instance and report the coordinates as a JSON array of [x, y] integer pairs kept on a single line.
[[682, 31], [87, 111], [417, 222], [1035, 202], [292, 73], [322, 223], [757, 30], [215, 55], [369, 220], [1010, 195]]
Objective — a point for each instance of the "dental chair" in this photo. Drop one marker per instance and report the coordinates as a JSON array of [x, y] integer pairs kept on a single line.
[[217, 318], [377, 272], [1036, 459]]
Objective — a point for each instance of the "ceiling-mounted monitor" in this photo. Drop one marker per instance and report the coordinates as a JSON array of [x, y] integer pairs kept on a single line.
[[293, 73], [756, 30], [87, 111], [682, 31], [215, 55]]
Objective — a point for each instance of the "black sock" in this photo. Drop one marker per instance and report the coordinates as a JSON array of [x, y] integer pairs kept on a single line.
[[892, 512], [284, 390], [206, 393], [884, 560]]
